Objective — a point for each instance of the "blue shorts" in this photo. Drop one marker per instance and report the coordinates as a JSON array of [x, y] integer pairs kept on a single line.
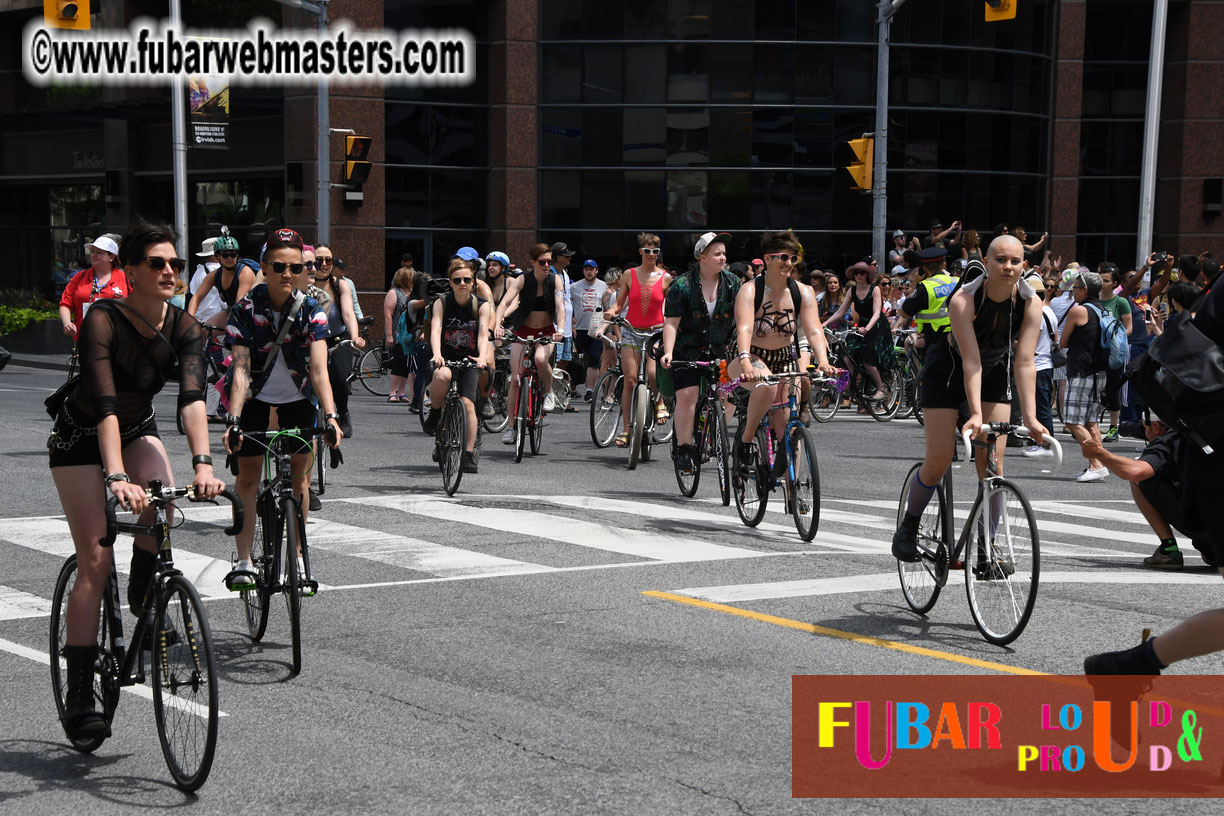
[[565, 350]]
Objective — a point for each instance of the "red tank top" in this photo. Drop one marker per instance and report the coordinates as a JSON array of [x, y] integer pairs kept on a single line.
[[640, 315]]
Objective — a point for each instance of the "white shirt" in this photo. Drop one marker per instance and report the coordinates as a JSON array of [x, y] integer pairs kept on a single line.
[[1061, 305], [584, 297], [1043, 338], [279, 389], [211, 303]]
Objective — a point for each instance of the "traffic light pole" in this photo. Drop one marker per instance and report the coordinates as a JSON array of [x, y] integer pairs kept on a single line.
[[879, 174]]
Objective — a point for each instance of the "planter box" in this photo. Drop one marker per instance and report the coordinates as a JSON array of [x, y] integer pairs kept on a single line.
[[43, 337]]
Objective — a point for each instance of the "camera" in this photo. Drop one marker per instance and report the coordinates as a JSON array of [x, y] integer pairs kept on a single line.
[[1160, 257], [1132, 430]]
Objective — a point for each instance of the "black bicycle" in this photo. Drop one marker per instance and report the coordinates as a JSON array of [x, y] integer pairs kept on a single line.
[[212, 365], [279, 521], [173, 625], [372, 368], [499, 391], [710, 440], [451, 434], [321, 462]]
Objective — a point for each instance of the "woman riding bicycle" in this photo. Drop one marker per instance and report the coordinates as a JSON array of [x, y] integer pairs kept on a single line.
[[534, 302], [995, 321], [871, 339], [699, 322], [766, 317], [459, 330], [105, 430]]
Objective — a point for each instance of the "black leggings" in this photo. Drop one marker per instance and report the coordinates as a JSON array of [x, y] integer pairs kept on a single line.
[[339, 366]]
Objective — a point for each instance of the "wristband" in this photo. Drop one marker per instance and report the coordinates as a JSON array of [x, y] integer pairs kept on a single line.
[[202, 459], [116, 477], [332, 415], [743, 355]]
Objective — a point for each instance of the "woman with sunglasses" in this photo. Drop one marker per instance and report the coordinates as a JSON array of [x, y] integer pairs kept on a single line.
[[871, 329], [341, 325], [232, 280], [105, 441], [459, 330]]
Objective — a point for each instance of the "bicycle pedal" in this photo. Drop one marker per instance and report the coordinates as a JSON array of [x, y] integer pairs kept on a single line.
[[308, 589]]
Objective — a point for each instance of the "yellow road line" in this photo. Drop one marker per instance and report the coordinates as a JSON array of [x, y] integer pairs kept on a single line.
[[837, 633]]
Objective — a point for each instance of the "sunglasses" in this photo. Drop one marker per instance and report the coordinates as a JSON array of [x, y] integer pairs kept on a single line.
[[227, 254], [886, 283], [324, 261], [279, 267], [158, 264], [543, 261], [311, 265], [651, 250], [783, 257], [461, 281]]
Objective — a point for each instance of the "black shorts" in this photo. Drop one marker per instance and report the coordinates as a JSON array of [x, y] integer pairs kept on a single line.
[[591, 348], [255, 417], [1111, 390], [1169, 500], [399, 361], [73, 442], [688, 377], [467, 379], [943, 380]]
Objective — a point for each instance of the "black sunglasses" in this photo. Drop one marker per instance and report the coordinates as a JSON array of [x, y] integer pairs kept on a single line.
[[158, 264], [279, 267], [325, 261], [227, 254], [311, 265], [461, 281]]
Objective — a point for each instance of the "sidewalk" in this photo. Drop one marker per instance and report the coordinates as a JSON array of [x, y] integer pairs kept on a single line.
[[54, 362]]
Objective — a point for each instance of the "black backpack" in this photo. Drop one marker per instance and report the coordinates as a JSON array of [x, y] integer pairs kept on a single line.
[[1181, 378]]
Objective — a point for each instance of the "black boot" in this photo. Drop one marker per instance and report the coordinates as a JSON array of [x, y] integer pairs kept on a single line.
[[82, 721], [143, 564]]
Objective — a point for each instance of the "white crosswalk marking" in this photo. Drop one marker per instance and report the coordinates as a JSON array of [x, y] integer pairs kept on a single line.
[[15, 604]]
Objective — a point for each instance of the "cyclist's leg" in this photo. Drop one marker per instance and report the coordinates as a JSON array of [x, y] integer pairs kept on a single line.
[[145, 458], [993, 412], [437, 395], [686, 411], [468, 387], [83, 498], [246, 485], [516, 365], [629, 367], [761, 398], [805, 385], [543, 362]]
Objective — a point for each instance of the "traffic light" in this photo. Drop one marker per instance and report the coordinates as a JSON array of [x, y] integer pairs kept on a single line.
[[1000, 10], [72, 14], [356, 164], [860, 171]]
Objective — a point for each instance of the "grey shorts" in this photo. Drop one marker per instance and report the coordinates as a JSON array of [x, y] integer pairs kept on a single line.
[[1083, 403]]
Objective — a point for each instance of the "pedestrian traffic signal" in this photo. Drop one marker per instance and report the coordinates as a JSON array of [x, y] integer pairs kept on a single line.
[[1000, 10], [72, 14], [356, 164], [860, 170]]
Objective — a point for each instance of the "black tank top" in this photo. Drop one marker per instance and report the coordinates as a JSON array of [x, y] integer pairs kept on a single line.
[[229, 295], [996, 326], [1084, 340], [529, 299], [460, 325]]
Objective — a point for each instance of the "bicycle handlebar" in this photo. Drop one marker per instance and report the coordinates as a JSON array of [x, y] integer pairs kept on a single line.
[[166, 495], [996, 428], [262, 437]]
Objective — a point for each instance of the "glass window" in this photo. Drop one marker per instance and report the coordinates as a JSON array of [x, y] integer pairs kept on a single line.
[[645, 199], [562, 73], [1117, 31], [856, 22], [814, 74], [644, 19], [734, 21], [561, 197], [561, 139], [773, 135], [728, 204], [951, 140], [981, 72], [645, 135], [922, 141], [602, 132], [407, 196], [770, 199], [1111, 148], [811, 201], [924, 76], [602, 20], [603, 195], [813, 138], [645, 72], [730, 137], [816, 20], [688, 77], [604, 74], [458, 198], [775, 73], [1108, 205], [775, 20], [854, 76], [408, 128], [689, 19], [688, 136], [1115, 90], [686, 199], [731, 73], [459, 136], [560, 20]]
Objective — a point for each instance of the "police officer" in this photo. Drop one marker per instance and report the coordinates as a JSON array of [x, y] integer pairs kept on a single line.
[[928, 305]]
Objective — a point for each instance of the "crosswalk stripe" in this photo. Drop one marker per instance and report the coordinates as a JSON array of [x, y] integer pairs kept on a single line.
[[877, 582], [15, 605]]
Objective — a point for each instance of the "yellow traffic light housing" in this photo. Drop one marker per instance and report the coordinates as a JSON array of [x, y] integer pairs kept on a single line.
[[1000, 10], [860, 170], [73, 14], [356, 164]]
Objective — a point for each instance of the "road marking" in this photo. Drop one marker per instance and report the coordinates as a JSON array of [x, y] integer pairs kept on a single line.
[[15, 605], [867, 640]]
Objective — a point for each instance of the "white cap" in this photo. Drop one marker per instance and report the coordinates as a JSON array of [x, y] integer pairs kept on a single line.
[[707, 239], [206, 247], [105, 244]]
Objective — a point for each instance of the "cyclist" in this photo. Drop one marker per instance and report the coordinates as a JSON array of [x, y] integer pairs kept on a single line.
[[278, 336], [232, 279], [497, 265], [975, 363], [698, 324], [871, 335], [459, 330], [105, 428], [640, 292], [534, 301], [341, 325], [768, 310]]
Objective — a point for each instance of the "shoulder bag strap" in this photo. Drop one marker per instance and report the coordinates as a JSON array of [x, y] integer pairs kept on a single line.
[[286, 325]]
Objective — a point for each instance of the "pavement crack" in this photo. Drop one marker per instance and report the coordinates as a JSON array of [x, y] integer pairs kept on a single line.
[[704, 792]]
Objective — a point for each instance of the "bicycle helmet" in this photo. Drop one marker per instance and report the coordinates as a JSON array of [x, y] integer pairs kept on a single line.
[[225, 242], [500, 257]]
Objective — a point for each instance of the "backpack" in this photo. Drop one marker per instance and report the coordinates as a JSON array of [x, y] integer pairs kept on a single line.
[[404, 335], [1181, 378], [1112, 352]]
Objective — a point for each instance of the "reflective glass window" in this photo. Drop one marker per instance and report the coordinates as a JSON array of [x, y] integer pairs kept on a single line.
[[561, 80], [645, 140], [854, 76], [775, 20], [645, 199], [816, 20], [813, 138], [457, 198], [773, 135], [603, 194], [688, 73], [408, 128], [731, 72], [730, 137], [814, 74], [1111, 148], [688, 136], [602, 134], [775, 73], [689, 19], [769, 200], [561, 136], [603, 75], [560, 20], [687, 199], [561, 199], [644, 19], [645, 73], [728, 204], [407, 196]]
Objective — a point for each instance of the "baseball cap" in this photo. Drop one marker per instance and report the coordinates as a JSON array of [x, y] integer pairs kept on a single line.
[[103, 243], [1069, 276], [707, 239], [590, 262], [936, 223], [560, 248], [757, 262], [286, 236], [206, 248], [466, 253], [899, 234]]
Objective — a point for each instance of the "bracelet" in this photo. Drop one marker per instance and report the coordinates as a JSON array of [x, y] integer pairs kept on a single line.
[[202, 459], [111, 478], [332, 415], [743, 355]]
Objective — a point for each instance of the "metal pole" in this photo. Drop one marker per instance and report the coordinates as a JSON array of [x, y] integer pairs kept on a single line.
[[879, 181], [323, 230], [178, 116], [1151, 131]]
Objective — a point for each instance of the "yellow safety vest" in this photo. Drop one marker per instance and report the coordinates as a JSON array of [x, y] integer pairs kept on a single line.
[[934, 318]]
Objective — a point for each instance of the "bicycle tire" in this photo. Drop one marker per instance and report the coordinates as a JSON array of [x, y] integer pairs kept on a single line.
[[105, 686], [885, 409], [184, 684], [605, 413], [374, 377], [662, 434], [499, 399], [293, 582], [1001, 600], [805, 485], [824, 402], [750, 492], [688, 481], [255, 601], [637, 423], [520, 419], [320, 465], [178, 422], [922, 581], [918, 402], [722, 451], [452, 438], [537, 417]]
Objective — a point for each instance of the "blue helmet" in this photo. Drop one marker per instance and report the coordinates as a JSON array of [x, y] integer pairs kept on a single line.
[[500, 257]]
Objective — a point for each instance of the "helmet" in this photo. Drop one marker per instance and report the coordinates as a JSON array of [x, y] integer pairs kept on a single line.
[[500, 257], [225, 242]]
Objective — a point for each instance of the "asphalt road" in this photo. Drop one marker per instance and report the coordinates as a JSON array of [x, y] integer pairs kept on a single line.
[[496, 653]]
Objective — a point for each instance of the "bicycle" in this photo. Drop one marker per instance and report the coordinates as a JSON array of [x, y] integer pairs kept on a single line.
[[909, 370], [1002, 582], [452, 429], [861, 386], [321, 462], [212, 366], [530, 414], [606, 399], [790, 461], [642, 433], [279, 520], [499, 391], [710, 439], [373, 368], [184, 676]]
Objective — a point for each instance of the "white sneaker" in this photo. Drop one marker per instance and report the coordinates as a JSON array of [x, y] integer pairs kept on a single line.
[[1092, 474], [550, 403], [1034, 451], [510, 436]]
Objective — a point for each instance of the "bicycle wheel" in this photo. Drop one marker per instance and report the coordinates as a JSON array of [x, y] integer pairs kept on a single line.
[[1002, 563], [605, 408], [293, 581], [255, 601], [918, 401], [452, 436], [320, 466], [922, 580], [498, 398], [823, 402], [374, 377], [537, 417], [886, 409], [689, 480], [639, 402], [105, 685], [749, 481], [520, 438], [805, 486], [722, 454], [184, 684], [662, 434]]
